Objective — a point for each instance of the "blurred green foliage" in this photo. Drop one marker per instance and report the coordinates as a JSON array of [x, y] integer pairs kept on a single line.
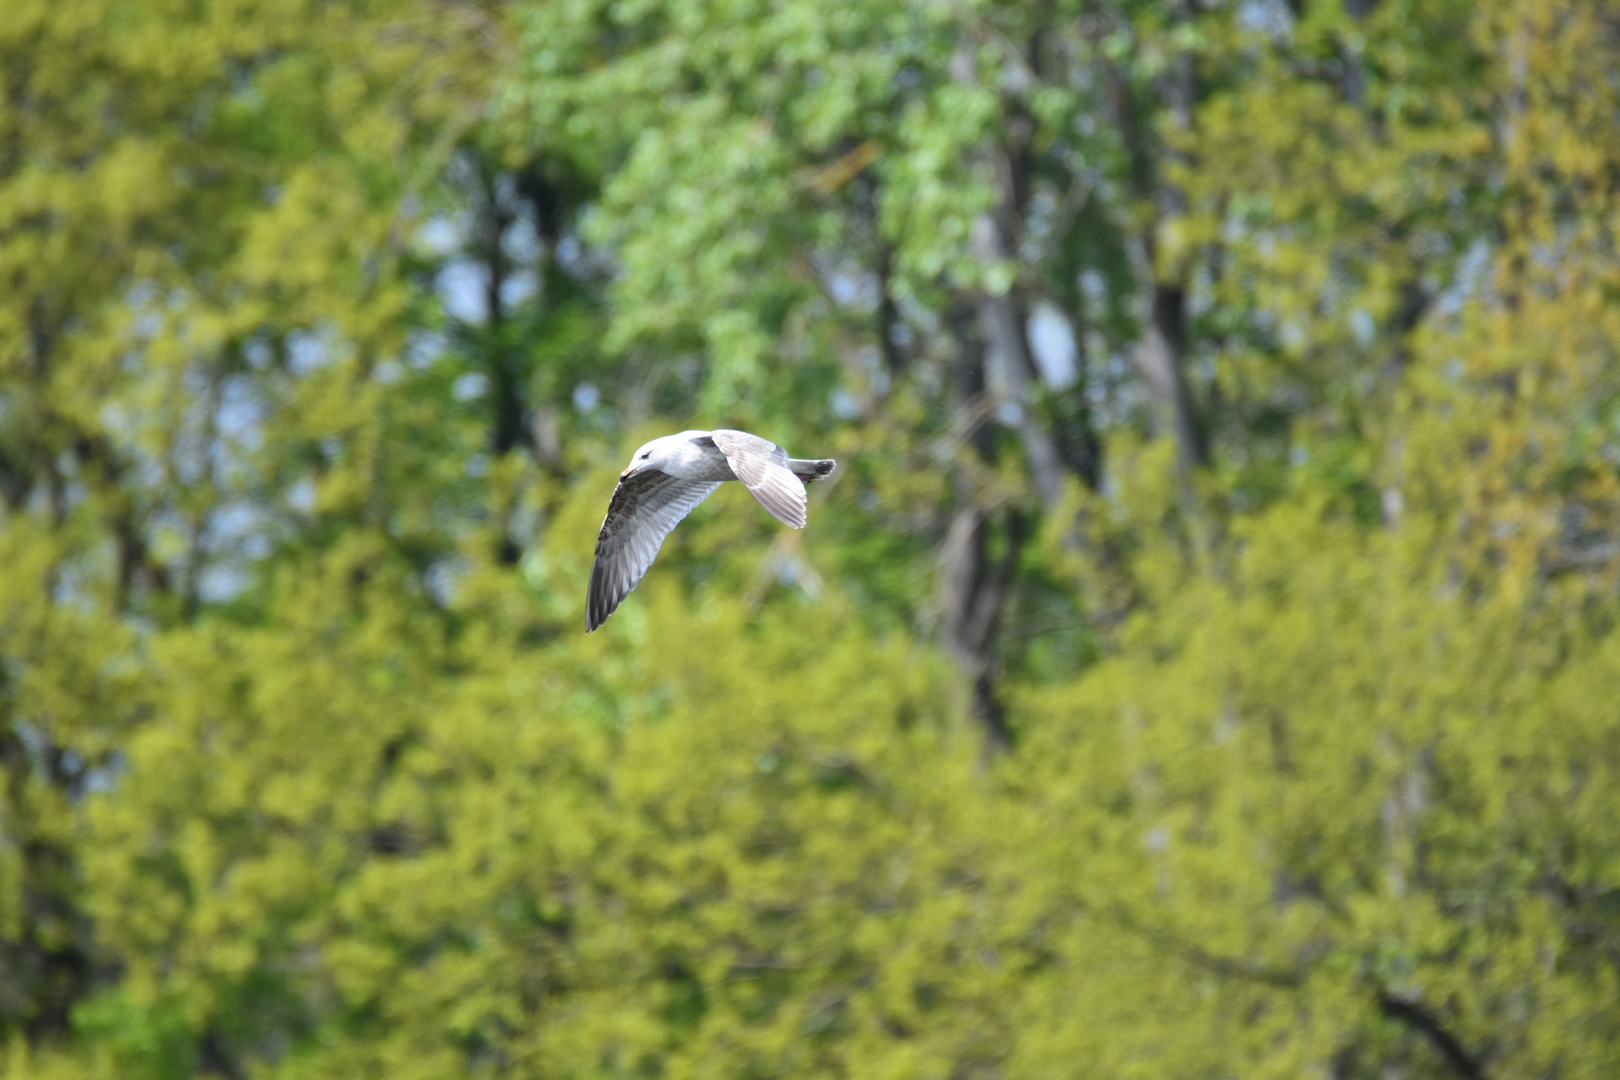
[[1236, 702]]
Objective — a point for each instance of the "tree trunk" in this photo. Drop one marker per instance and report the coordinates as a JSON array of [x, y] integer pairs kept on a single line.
[[971, 587], [1161, 356]]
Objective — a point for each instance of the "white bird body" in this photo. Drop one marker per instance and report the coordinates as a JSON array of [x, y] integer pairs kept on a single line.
[[665, 480], [687, 455]]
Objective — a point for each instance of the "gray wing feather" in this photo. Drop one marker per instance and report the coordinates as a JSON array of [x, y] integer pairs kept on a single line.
[[762, 466], [644, 509]]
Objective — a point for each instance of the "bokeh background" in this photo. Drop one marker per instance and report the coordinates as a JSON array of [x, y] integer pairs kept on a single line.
[[1205, 663]]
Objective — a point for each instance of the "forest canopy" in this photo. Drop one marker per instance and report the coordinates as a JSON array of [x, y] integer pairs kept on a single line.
[[1202, 664]]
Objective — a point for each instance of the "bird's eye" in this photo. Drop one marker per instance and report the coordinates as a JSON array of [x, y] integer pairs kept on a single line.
[[647, 455]]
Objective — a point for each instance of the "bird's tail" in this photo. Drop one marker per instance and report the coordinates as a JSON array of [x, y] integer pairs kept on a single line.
[[812, 470]]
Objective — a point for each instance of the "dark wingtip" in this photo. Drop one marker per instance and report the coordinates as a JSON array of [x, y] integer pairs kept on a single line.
[[594, 615]]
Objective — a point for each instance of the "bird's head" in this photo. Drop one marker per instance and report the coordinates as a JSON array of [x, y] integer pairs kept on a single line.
[[649, 456]]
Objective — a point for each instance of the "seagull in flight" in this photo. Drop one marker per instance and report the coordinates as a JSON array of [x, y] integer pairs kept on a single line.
[[665, 480]]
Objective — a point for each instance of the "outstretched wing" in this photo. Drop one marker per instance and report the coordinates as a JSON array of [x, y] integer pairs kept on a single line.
[[644, 509], [762, 466]]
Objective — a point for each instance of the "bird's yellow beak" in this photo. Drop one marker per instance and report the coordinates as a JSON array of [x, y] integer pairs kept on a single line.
[[631, 471]]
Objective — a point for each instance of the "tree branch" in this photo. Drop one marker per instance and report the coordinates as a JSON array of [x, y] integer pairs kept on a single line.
[[1414, 1015]]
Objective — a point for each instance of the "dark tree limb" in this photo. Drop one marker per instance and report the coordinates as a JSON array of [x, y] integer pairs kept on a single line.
[[1161, 356], [973, 592], [1420, 1019], [508, 431], [215, 1059], [971, 587]]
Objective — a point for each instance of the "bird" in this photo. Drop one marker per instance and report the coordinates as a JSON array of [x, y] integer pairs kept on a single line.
[[665, 480]]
